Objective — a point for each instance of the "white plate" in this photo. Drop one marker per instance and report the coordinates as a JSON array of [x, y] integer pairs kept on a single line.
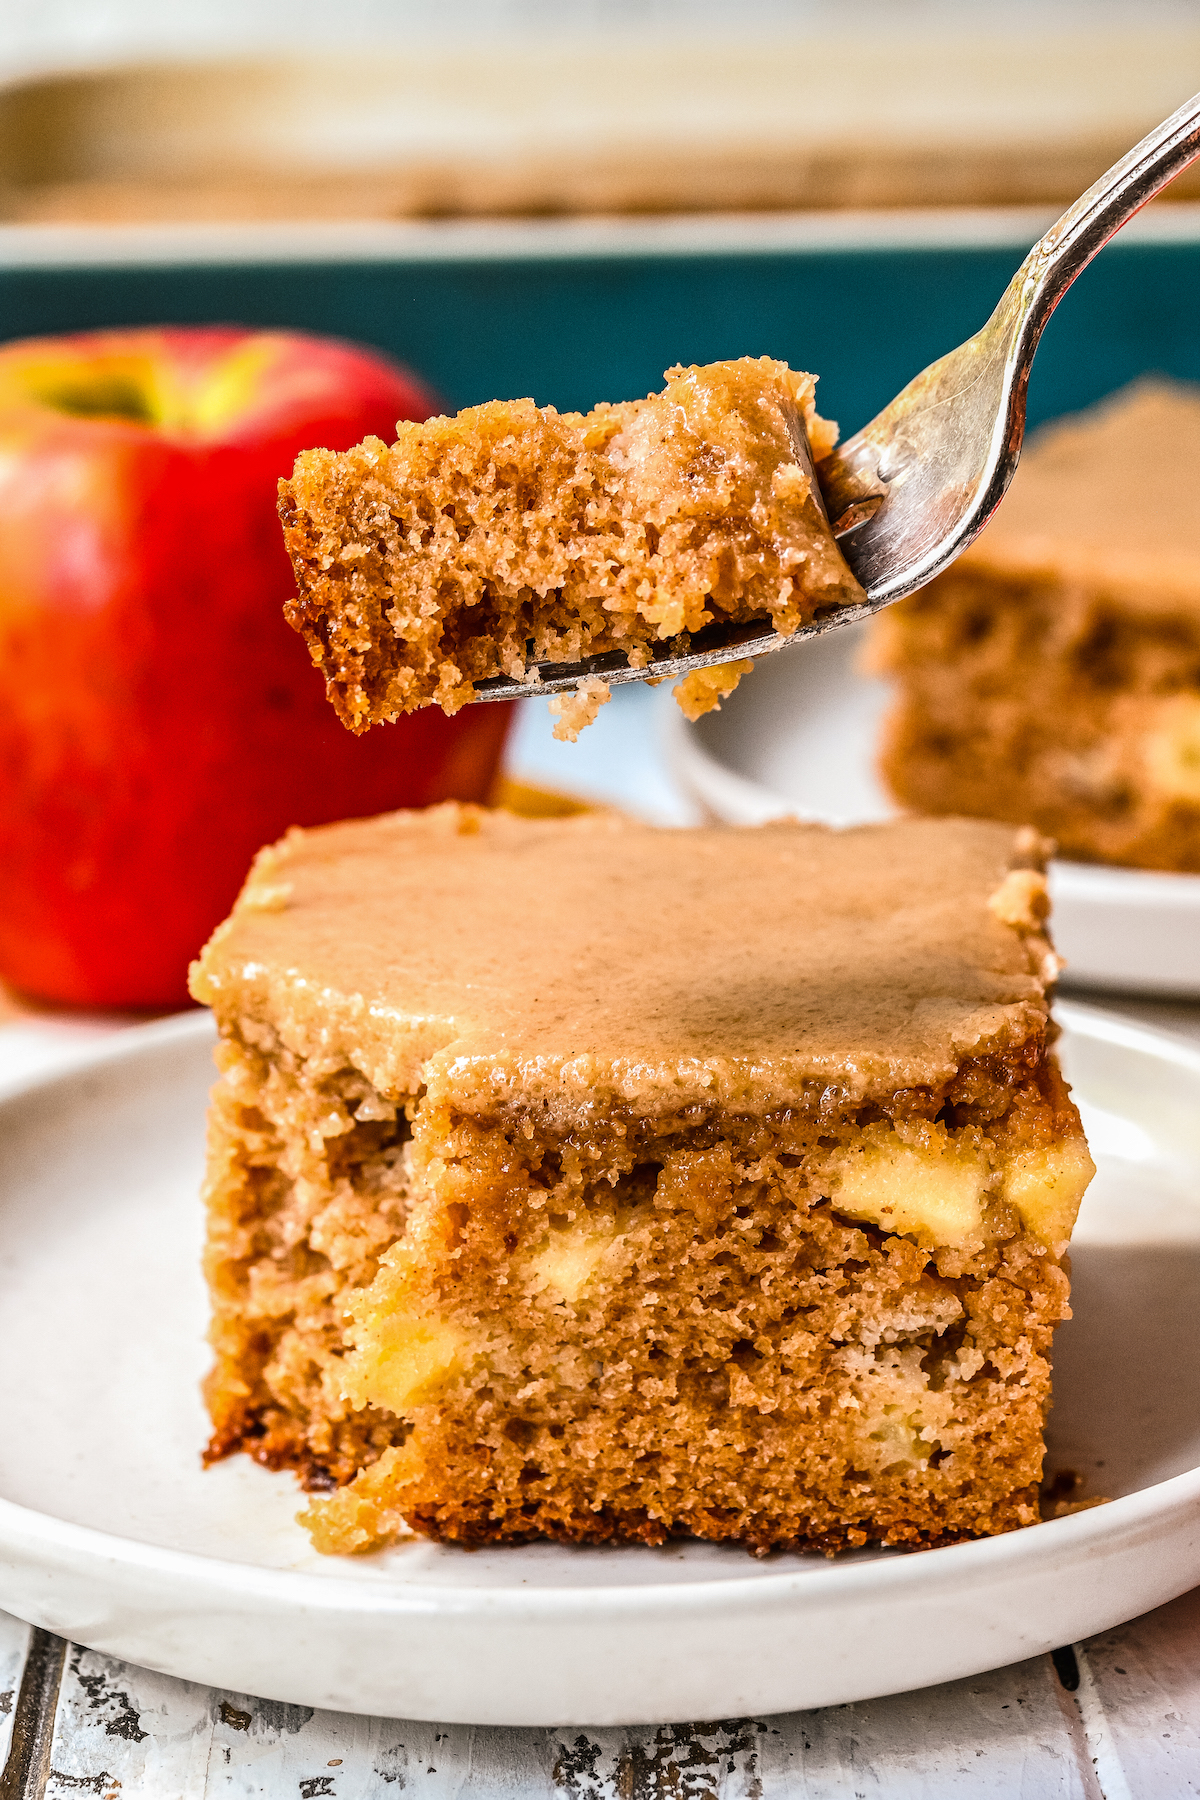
[[112, 1535], [799, 739]]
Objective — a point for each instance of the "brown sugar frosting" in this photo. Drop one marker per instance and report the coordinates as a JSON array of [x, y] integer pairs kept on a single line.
[[601, 953], [1098, 496]]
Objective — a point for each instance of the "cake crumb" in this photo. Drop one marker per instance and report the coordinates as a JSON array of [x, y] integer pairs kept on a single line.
[[1022, 900], [577, 710], [1061, 1494], [704, 689], [267, 898], [362, 1516]]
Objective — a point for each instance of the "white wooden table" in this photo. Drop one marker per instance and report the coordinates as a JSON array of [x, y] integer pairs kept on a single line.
[[1115, 1718]]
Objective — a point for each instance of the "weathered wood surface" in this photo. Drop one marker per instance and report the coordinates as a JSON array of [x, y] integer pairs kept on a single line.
[[1115, 1719], [14, 1642]]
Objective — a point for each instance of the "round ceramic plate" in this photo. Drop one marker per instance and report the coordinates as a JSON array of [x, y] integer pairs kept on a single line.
[[799, 739], [111, 1533]]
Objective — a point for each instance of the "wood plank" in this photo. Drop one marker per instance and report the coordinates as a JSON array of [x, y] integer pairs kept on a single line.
[[1006, 1734], [1144, 1702], [128, 1732], [14, 1642], [1129, 1730]]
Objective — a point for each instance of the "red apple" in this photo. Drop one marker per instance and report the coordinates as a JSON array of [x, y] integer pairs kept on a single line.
[[159, 720]]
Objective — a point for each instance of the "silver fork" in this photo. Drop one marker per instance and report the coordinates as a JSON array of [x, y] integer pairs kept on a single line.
[[912, 489]]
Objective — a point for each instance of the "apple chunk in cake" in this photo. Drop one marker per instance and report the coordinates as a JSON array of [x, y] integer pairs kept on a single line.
[[571, 1178], [514, 532]]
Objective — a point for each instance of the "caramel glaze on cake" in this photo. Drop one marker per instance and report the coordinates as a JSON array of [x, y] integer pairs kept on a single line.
[[512, 531], [1053, 673], [576, 1179]]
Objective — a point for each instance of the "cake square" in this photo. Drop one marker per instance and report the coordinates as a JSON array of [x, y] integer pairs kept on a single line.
[[1052, 674], [513, 532], [582, 1180]]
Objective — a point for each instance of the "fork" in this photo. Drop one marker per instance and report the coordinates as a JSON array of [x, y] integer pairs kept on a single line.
[[910, 491]]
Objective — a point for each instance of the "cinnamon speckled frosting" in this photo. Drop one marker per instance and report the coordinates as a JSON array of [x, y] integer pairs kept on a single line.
[[1107, 496], [475, 954]]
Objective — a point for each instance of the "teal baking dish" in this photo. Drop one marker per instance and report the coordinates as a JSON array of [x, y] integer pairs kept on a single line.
[[572, 312]]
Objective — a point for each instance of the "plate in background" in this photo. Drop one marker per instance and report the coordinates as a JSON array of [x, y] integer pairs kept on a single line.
[[798, 738], [112, 1536]]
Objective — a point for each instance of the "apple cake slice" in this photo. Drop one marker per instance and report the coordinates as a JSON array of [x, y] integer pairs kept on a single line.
[[574, 1179], [513, 533], [1052, 674]]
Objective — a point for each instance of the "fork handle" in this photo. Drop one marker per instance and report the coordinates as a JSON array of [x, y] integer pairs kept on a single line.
[[1070, 244]]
